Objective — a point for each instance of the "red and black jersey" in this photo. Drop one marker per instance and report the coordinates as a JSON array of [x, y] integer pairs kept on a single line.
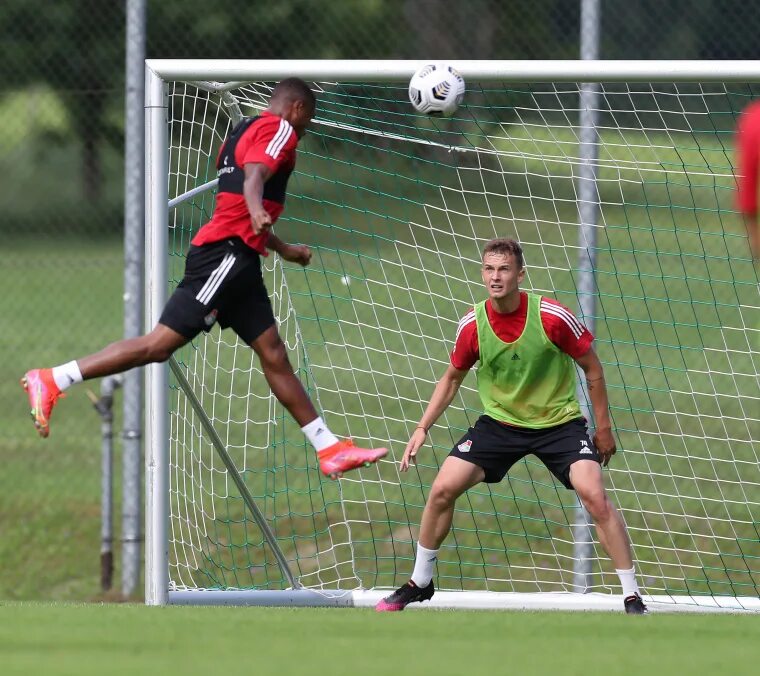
[[266, 139]]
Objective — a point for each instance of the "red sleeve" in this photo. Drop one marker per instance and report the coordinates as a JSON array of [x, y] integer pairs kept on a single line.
[[563, 328], [270, 140], [748, 159], [466, 349]]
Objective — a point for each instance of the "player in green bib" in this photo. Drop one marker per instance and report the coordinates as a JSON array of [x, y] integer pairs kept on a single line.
[[527, 347]]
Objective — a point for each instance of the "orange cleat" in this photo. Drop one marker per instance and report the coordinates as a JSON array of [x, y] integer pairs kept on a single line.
[[43, 395], [344, 456]]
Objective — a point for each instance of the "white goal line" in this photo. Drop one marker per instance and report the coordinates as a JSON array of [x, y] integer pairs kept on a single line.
[[472, 600]]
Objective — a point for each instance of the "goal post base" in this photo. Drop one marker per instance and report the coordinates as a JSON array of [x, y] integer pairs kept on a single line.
[[469, 600], [302, 598]]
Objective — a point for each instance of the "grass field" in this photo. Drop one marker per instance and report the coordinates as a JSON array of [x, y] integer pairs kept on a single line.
[[62, 639]]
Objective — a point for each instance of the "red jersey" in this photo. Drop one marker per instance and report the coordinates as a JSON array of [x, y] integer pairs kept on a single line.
[[748, 154], [561, 326], [267, 139]]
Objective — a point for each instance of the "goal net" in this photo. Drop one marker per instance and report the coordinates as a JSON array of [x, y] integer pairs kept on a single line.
[[396, 208]]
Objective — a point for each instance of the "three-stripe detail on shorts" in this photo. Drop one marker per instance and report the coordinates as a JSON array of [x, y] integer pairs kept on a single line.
[[215, 279]]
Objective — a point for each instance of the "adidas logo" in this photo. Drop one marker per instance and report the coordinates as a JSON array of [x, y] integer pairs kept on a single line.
[[515, 357], [586, 451], [319, 431]]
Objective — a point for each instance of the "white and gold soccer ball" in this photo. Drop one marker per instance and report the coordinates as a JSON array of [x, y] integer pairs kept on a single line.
[[436, 89]]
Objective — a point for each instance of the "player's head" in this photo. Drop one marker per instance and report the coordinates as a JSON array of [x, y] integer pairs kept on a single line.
[[293, 101], [503, 267]]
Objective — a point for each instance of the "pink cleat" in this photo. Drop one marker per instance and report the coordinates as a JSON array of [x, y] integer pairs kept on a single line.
[[43, 395], [344, 456]]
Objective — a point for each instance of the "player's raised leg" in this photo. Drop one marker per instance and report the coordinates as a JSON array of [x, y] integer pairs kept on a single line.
[[586, 478], [453, 479], [45, 386], [336, 456]]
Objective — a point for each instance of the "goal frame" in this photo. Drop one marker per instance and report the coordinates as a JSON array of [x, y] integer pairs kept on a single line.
[[233, 73]]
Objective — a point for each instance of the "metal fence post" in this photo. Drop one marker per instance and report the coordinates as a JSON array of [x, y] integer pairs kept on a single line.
[[104, 406], [588, 213]]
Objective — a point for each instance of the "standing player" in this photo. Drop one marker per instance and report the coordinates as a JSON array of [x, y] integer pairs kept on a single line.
[[748, 159], [223, 280], [526, 345]]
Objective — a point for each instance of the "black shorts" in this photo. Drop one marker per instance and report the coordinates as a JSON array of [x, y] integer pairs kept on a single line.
[[223, 283], [496, 447]]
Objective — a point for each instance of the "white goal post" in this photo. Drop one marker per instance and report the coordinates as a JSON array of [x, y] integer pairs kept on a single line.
[[617, 177]]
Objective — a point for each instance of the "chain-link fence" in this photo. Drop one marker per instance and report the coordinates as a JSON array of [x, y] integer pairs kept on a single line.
[[62, 192]]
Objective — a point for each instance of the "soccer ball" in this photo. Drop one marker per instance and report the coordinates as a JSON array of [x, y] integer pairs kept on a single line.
[[436, 89]]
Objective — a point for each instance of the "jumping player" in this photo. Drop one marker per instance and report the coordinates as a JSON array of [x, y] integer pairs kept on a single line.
[[223, 280]]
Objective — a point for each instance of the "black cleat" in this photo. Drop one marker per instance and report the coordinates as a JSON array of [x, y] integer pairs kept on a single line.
[[404, 595], [634, 605]]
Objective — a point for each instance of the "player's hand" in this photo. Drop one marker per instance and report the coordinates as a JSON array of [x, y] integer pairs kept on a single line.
[[410, 453], [296, 253], [260, 220], [605, 445]]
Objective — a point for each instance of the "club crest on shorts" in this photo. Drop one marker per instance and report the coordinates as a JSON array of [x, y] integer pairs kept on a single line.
[[210, 318], [464, 447]]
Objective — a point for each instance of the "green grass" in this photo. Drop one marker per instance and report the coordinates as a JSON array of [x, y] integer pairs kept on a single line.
[[60, 639]]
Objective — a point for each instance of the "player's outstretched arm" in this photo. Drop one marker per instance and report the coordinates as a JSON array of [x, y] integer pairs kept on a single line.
[[597, 392], [443, 394]]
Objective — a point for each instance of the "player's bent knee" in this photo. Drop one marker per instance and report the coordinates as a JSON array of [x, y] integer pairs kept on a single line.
[[156, 355], [274, 356], [443, 495], [597, 504], [155, 352], [162, 354]]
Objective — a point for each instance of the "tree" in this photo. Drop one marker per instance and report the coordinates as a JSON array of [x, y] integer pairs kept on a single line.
[[77, 49]]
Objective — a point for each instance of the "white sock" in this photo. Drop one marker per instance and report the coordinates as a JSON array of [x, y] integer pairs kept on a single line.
[[319, 435], [628, 582], [423, 565], [66, 375]]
